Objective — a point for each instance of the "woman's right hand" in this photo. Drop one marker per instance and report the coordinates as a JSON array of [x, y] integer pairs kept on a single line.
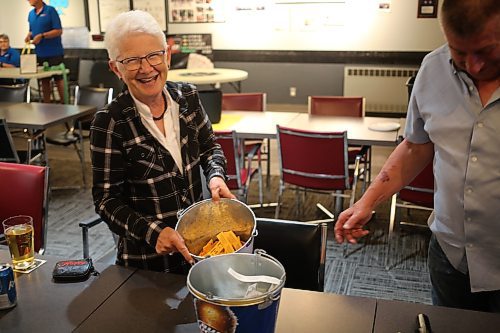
[[170, 241]]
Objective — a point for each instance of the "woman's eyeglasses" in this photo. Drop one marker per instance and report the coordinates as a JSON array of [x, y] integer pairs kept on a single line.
[[134, 63]]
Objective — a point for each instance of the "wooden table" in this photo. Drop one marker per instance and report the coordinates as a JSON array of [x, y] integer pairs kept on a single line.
[[37, 117], [15, 73], [258, 125], [45, 306], [397, 316], [131, 300], [212, 76], [158, 302], [358, 129], [254, 124], [40, 116]]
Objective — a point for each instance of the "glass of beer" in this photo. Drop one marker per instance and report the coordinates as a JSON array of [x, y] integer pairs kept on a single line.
[[18, 231]]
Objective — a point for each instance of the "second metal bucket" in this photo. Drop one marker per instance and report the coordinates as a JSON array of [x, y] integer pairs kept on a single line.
[[226, 304]]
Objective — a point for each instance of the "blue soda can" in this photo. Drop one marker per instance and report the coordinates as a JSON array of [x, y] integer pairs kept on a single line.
[[8, 296]]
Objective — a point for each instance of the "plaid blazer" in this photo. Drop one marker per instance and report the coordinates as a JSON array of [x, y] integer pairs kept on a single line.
[[137, 187]]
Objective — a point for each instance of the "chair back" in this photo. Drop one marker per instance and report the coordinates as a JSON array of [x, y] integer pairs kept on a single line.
[[30, 196], [229, 144], [73, 64], [212, 104], [8, 152], [336, 106], [420, 191], [19, 93], [98, 97], [244, 101], [316, 160], [300, 247]]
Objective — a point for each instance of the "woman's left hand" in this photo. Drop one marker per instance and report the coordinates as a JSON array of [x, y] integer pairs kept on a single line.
[[219, 189]]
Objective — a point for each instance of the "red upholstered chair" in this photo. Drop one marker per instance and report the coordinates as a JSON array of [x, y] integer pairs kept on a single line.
[[24, 191], [316, 162], [337, 106], [250, 102], [343, 106], [239, 169], [244, 101], [419, 194]]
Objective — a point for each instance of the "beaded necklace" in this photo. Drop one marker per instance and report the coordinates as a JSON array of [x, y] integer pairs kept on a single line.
[[160, 117]]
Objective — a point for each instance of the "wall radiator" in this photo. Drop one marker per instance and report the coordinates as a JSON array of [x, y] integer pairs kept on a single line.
[[383, 87]]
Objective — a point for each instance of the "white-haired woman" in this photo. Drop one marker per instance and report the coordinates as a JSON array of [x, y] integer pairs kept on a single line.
[[147, 146]]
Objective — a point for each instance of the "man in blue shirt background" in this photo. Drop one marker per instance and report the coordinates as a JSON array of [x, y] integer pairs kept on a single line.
[[9, 57], [45, 32]]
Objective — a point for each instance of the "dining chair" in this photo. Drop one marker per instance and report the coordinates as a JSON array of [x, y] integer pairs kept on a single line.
[[25, 191], [95, 96], [299, 246], [419, 194], [343, 106], [74, 135], [244, 101], [8, 152], [212, 103], [239, 169], [73, 64], [19, 93], [316, 162], [251, 102]]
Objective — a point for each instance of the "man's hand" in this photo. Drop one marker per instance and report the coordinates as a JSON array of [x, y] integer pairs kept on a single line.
[[349, 226], [171, 241], [219, 189]]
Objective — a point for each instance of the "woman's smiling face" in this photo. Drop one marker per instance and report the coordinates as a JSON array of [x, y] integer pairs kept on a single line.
[[146, 82]]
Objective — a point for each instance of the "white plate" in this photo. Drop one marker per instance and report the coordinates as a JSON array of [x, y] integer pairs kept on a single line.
[[384, 126]]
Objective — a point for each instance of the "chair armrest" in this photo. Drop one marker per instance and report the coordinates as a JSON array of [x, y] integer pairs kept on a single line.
[[91, 222], [252, 152], [86, 225], [250, 155], [355, 180], [364, 150]]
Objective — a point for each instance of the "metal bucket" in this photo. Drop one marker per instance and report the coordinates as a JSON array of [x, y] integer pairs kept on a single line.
[[203, 220], [222, 302]]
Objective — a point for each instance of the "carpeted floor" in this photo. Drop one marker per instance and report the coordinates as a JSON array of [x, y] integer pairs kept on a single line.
[[376, 267]]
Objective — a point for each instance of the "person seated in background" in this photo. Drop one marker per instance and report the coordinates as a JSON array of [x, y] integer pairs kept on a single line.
[[9, 58], [146, 148]]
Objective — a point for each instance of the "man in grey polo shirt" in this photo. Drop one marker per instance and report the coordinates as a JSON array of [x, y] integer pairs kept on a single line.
[[454, 120]]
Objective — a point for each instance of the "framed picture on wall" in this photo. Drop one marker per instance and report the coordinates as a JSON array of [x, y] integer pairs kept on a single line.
[[157, 8], [196, 11], [108, 9]]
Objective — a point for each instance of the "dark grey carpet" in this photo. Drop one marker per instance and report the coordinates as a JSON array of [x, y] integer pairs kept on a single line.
[[362, 272]]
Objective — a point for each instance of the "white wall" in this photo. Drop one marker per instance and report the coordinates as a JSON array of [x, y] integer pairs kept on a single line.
[[356, 25]]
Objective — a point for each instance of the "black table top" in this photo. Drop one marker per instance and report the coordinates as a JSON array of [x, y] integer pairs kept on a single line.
[[397, 316], [40, 116], [131, 300], [45, 306]]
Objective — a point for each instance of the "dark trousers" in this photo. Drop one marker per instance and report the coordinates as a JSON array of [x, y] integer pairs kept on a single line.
[[451, 288]]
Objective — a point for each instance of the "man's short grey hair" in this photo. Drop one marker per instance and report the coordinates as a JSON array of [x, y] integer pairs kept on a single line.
[[124, 24], [4, 37], [469, 17]]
